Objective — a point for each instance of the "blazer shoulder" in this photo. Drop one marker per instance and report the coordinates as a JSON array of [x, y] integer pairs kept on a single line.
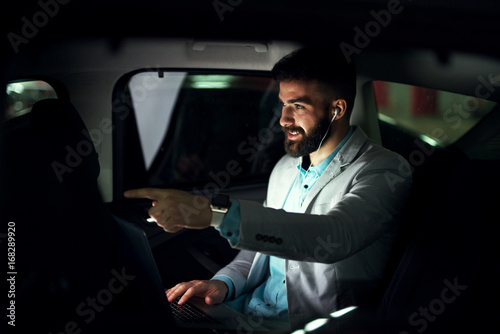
[[367, 154], [380, 151], [284, 163], [286, 160]]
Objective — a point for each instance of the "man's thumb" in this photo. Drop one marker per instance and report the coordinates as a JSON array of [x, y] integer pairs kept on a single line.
[[213, 299]]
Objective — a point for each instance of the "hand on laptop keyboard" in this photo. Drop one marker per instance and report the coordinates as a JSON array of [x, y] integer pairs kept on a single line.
[[213, 291], [189, 313]]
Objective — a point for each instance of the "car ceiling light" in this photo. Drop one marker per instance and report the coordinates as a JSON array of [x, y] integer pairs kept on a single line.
[[429, 140], [215, 81], [343, 311], [386, 119], [315, 324], [299, 331], [15, 87], [210, 85]]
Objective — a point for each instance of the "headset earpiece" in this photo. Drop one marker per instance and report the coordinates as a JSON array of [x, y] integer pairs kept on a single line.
[[335, 114]]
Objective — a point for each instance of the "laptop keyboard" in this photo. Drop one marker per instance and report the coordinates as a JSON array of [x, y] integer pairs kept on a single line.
[[191, 314]]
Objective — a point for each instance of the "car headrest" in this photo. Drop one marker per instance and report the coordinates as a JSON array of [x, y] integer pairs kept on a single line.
[[69, 144]]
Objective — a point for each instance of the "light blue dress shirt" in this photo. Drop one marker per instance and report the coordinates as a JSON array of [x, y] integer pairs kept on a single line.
[[269, 299]]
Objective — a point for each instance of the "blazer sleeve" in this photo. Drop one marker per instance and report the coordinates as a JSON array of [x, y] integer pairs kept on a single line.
[[237, 271], [369, 208]]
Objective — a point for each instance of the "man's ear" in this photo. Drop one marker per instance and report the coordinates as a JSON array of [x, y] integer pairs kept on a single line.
[[340, 107]]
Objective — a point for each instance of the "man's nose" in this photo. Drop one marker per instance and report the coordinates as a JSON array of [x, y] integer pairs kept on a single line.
[[287, 118]]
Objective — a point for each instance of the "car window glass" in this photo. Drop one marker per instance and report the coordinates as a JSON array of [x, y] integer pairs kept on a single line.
[[437, 117], [153, 99], [21, 95], [209, 128]]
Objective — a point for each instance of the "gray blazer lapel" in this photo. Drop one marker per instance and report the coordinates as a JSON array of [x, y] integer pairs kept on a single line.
[[258, 272], [345, 156], [285, 180], [329, 174]]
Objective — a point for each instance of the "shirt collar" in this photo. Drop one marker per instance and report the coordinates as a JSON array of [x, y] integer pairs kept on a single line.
[[320, 168]]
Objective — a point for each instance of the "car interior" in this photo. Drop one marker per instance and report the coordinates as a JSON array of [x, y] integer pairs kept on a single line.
[[102, 97]]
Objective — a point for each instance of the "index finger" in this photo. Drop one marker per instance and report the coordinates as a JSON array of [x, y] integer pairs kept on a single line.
[[176, 291], [150, 193]]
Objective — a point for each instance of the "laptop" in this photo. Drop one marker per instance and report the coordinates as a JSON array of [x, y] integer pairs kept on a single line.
[[195, 314]]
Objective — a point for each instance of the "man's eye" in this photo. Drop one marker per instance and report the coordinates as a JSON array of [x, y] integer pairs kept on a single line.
[[299, 106]]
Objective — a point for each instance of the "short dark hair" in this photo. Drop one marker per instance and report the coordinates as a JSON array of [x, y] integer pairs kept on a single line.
[[327, 65]]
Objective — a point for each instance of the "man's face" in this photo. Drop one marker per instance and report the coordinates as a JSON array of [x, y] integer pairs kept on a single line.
[[304, 116]]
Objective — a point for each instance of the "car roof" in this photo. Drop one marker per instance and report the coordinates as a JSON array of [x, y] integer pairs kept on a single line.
[[392, 40], [440, 24]]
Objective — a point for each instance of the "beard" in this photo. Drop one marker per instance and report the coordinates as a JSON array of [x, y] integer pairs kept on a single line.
[[309, 143]]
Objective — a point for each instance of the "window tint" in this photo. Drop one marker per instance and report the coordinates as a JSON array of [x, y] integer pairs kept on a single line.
[[438, 118], [21, 95], [205, 129]]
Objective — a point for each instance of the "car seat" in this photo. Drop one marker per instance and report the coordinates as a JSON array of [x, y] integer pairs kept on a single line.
[[446, 261], [69, 249]]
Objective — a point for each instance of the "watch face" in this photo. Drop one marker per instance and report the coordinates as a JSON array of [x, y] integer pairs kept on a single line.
[[221, 201]]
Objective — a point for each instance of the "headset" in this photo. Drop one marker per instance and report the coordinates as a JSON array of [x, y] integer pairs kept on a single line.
[[335, 115], [321, 143]]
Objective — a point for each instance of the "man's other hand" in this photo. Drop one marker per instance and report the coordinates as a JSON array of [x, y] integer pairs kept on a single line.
[[213, 291]]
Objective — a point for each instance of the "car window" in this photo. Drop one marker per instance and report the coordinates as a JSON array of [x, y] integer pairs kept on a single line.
[[21, 95], [437, 117], [192, 128]]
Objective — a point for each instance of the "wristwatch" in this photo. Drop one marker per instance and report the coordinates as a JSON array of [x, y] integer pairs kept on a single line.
[[220, 204]]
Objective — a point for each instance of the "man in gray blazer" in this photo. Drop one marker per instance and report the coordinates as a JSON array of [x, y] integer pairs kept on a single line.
[[322, 240]]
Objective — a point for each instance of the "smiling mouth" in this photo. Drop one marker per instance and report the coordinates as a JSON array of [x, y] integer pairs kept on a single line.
[[293, 133]]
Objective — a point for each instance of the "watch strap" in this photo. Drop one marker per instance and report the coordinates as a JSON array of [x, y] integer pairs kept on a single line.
[[217, 218], [219, 205]]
